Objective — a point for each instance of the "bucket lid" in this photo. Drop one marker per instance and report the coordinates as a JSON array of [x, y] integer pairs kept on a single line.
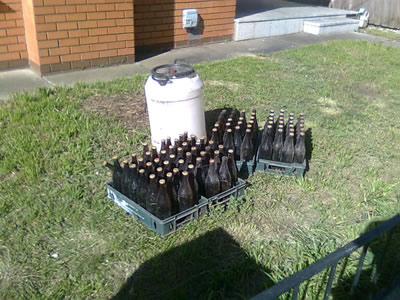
[[162, 74]]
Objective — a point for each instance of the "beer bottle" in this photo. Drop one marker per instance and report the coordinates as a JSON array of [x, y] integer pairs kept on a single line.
[[209, 152], [116, 175], [151, 197], [300, 149], [172, 161], [217, 160], [225, 178], [222, 150], [163, 155], [177, 179], [200, 175], [149, 169], [179, 153], [154, 153], [141, 190], [141, 163], [160, 173], [214, 136], [247, 147], [185, 193], [232, 166], [185, 136], [198, 148], [147, 156], [288, 148], [177, 143], [228, 139], [166, 166], [219, 131], [145, 148], [181, 139], [134, 158], [203, 143], [181, 165], [243, 115], [254, 133], [171, 150], [228, 125], [186, 145], [212, 185], [168, 141], [126, 174], [222, 118], [194, 153], [194, 139], [163, 145], [265, 150], [133, 182], [242, 128], [237, 142], [213, 146], [193, 183], [156, 163], [172, 192], [203, 155], [164, 203], [188, 160], [277, 145]]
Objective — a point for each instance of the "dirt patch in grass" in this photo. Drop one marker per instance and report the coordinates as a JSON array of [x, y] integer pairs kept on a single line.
[[129, 109]]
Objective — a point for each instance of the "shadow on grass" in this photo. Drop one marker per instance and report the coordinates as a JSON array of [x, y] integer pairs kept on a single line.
[[388, 271], [212, 266]]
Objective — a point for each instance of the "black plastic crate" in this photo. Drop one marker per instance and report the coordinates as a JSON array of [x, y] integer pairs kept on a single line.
[[225, 197], [162, 227], [281, 168], [245, 168]]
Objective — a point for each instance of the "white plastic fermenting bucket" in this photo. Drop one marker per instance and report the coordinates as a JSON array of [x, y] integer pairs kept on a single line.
[[174, 96]]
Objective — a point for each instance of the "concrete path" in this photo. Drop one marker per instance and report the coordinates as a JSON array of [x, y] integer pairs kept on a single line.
[[25, 80]]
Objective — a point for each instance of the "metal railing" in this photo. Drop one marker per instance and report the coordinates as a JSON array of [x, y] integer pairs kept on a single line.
[[332, 260]]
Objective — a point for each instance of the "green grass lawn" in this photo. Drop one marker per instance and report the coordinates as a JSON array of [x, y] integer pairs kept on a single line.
[[383, 32], [60, 235]]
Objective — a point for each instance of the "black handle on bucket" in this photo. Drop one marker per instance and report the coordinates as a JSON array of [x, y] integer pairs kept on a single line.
[[173, 72]]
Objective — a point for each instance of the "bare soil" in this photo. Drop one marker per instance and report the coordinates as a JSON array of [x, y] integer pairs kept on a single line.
[[129, 109]]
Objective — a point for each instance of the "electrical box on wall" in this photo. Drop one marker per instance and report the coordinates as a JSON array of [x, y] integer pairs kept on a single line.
[[190, 18]]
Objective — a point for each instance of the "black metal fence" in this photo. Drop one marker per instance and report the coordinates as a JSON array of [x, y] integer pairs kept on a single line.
[[331, 261]]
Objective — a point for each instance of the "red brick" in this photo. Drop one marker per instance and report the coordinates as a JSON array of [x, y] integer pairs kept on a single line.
[[116, 45], [115, 15], [65, 9], [55, 18], [70, 57], [8, 40], [9, 56], [70, 2], [124, 6], [49, 60], [106, 23], [126, 51], [80, 49], [7, 24], [90, 55], [47, 10], [53, 2], [69, 42], [3, 32], [108, 53], [96, 16], [67, 26], [16, 47], [46, 27], [3, 49], [107, 38], [59, 51], [125, 37], [89, 40], [112, 30], [97, 47], [98, 31], [86, 8], [105, 7], [124, 22], [87, 24], [76, 17], [78, 33], [44, 52], [15, 31], [55, 35], [47, 44]]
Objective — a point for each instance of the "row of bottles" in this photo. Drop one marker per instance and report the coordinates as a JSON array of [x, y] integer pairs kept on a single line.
[[175, 178], [235, 132], [282, 141]]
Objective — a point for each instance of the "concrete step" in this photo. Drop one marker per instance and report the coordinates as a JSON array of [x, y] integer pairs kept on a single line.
[[330, 25]]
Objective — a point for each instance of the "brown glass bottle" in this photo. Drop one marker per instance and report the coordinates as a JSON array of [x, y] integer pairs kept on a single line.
[[179, 153], [185, 147], [166, 166], [134, 158], [237, 141], [163, 145], [168, 141], [141, 191], [177, 178], [156, 163], [147, 157], [300, 148], [217, 159], [212, 145], [265, 150], [160, 173], [214, 137], [141, 163], [116, 175], [164, 203], [200, 175], [185, 136], [277, 145], [151, 196], [229, 139], [212, 184], [172, 161], [125, 178], [149, 169], [181, 165], [163, 155], [288, 148], [133, 181], [185, 193], [193, 183], [145, 148], [172, 192], [222, 150], [154, 153], [224, 175], [247, 147], [232, 166], [194, 152], [202, 143]]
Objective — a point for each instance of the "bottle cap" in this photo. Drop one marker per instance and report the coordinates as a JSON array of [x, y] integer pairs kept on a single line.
[[185, 173], [175, 170], [184, 144], [291, 133], [152, 176], [230, 151], [149, 164], [169, 174], [229, 120], [269, 126], [193, 148], [153, 148], [104, 163], [133, 166], [172, 156], [159, 169], [216, 152], [140, 159], [148, 153], [210, 142], [125, 161], [165, 162], [114, 157], [144, 144], [179, 149], [198, 158], [280, 129], [190, 166], [162, 181], [203, 153], [212, 161], [156, 160], [228, 124], [237, 127], [181, 161], [141, 171], [188, 154], [214, 129], [163, 152]]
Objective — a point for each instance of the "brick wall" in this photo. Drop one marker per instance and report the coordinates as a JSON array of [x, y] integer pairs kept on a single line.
[[12, 37], [160, 22], [74, 34]]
